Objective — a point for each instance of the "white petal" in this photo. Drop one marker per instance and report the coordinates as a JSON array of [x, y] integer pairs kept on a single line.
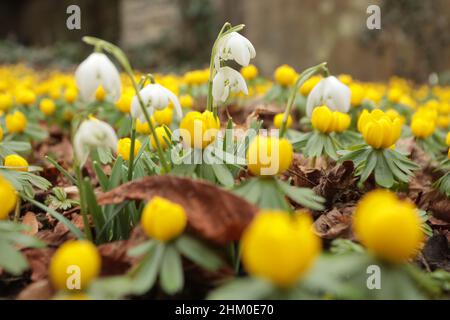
[[218, 85]]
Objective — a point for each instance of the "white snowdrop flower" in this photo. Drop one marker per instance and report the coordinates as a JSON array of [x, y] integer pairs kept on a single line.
[[225, 81], [155, 97], [93, 133], [236, 47], [95, 71], [330, 92]]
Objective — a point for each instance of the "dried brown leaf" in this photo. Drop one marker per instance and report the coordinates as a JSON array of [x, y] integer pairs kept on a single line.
[[40, 290], [213, 213], [30, 220], [336, 223]]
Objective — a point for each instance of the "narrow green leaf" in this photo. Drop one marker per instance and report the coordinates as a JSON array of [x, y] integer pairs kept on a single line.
[[171, 275], [199, 253]]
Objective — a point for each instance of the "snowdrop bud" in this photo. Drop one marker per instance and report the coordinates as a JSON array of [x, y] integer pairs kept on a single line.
[[225, 81], [98, 71], [155, 97], [330, 92], [93, 133], [236, 47]]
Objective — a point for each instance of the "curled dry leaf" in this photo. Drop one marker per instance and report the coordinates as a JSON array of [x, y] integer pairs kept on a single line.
[[336, 223], [213, 213], [30, 220], [39, 260]]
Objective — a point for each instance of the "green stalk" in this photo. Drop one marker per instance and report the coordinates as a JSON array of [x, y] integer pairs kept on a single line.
[[84, 213], [303, 77], [131, 158]]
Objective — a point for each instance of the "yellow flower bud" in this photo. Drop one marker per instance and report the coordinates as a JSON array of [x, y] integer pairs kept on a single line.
[[323, 119], [285, 75], [55, 93], [124, 146], [341, 122], [164, 116], [309, 84], [16, 122], [447, 139], [443, 121], [186, 101], [278, 120], [392, 114], [70, 95], [9, 198], [1, 133], [47, 107], [25, 96], [390, 228], [394, 94], [249, 72], [163, 220], [269, 156], [422, 128], [345, 79], [358, 94], [280, 247], [144, 128], [161, 133], [199, 129], [74, 257], [124, 102], [378, 130], [6, 101], [16, 162]]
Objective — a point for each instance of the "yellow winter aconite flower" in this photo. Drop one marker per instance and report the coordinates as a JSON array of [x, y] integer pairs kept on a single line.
[[144, 128], [16, 162], [309, 84], [47, 106], [74, 258], [100, 94], [162, 132], [16, 122], [345, 79], [9, 198], [124, 146], [327, 121], [163, 220], [70, 95], [164, 116], [447, 139], [390, 228], [392, 113], [279, 247], [422, 128], [186, 101], [6, 101], [25, 96], [278, 120], [124, 102], [1, 133], [199, 129], [285, 75], [269, 156], [249, 72], [394, 94], [378, 130], [358, 94]]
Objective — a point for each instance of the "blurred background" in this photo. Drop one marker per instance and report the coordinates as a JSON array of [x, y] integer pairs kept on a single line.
[[177, 35]]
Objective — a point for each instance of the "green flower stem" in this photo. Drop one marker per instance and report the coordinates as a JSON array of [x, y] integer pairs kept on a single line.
[[17, 209], [212, 72], [84, 212], [132, 145], [305, 75]]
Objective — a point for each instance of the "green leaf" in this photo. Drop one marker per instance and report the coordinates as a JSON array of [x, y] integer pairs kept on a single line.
[[22, 239], [304, 196], [249, 190], [102, 178], [223, 175], [369, 166], [142, 248], [383, 175], [271, 197], [171, 275], [144, 276], [243, 289], [116, 174], [11, 259], [390, 160], [62, 170], [199, 253], [94, 209]]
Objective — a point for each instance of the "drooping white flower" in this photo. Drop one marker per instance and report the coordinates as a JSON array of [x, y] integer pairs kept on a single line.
[[330, 92], [93, 133], [234, 46], [155, 97], [225, 81], [95, 71]]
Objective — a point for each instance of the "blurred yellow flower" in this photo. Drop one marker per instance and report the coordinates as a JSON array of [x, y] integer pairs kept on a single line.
[[422, 127], [164, 116], [163, 220], [278, 120], [279, 247], [309, 84], [163, 133], [16, 162], [124, 147], [9, 198], [6, 101], [187, 101], [285, 75], [47, 106], [249, 72], [199, 129], [378, 130], [16, 122]]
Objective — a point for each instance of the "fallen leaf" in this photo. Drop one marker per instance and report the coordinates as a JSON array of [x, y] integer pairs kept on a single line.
[[29, 219], [38, 260], [40, 290], [213, 213], [335, 223]]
